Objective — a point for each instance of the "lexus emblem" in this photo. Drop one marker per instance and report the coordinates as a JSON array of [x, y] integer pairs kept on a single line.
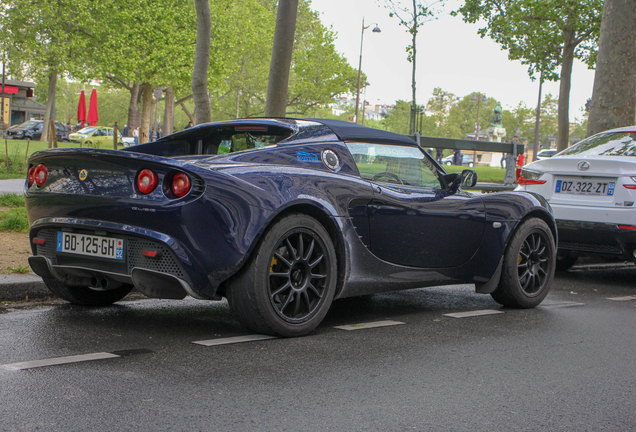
[[583, 166]]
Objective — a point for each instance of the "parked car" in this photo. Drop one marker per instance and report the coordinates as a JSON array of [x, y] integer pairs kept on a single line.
[[546, 153], [591, 187], [95, 136], [128, 141], [467, 160], [32, 130], [294, 214]]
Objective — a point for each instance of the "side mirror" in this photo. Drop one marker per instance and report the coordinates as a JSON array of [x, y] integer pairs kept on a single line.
[[467, 179]]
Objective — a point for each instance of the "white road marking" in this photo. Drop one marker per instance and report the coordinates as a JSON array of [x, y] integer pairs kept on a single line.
[[473, 313], [58, 361], [233, 340], [560, 305], [626, 298], [368, 325]]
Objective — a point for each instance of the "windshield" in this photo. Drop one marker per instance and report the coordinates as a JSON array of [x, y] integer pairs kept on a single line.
[[87, 130], [609, 144]]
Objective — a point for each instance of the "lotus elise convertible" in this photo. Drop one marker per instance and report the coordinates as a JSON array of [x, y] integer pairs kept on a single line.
[[281, 217]]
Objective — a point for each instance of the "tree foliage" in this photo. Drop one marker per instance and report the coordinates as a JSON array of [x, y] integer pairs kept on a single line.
[[543, 35]]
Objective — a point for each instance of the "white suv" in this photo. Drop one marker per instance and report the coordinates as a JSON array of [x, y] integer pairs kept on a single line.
[[591, 187]]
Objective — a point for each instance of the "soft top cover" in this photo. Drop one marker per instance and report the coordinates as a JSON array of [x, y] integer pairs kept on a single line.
[[348, 131]]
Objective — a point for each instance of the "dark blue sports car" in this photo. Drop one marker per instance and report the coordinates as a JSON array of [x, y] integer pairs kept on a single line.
[[281, 216]]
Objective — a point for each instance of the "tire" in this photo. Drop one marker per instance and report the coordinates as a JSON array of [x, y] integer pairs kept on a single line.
[[84, 296], [449, 163], [564, 261], [470, 164], [288, 284], [528, 268]]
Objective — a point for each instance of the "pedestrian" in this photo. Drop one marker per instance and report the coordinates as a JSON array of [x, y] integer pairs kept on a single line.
[[439, 154], [457, 157], [503, 161], [189, 125], [152, 136], [135, 134], [125, 131]]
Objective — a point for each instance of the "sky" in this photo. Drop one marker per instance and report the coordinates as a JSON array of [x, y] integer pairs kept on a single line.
[[450, 55]]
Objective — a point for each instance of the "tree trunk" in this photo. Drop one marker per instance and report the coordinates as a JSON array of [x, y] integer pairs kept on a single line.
[[563, 117], [49, 113], [133, 107], [168, 115], [614, 94], [276, 103], [413, 58], [146, 112], [202, 111]]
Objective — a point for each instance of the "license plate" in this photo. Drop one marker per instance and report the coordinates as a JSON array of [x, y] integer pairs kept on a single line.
[[91, 245], [585, 187]]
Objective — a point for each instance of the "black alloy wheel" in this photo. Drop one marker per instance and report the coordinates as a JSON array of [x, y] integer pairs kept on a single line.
[[298, 276], [534, 263], [287, 286], [528, 266]]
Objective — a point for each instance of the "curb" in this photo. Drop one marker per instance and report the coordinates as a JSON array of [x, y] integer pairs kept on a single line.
[[15, 287]]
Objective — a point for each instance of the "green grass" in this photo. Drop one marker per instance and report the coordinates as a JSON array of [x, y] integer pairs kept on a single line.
[[485, 174], [14, 219], [11, 200], [18, 152]]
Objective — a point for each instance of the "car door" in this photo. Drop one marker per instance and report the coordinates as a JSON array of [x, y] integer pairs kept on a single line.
[[413, 219]]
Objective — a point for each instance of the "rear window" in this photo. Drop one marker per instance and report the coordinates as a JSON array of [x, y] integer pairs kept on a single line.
[[610, 144]]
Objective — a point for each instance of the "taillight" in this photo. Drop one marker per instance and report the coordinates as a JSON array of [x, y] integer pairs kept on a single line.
[[146, 181], [630, 186], [31, 175], [528, 177], [181, 184], [627, 227], [40, 174]]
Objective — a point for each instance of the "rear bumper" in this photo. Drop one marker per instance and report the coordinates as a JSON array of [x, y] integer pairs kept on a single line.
[[596, 238], [171, 274]]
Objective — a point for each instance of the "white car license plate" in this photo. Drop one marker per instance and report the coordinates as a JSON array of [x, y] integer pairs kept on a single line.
[[91, 245], [575, 186]]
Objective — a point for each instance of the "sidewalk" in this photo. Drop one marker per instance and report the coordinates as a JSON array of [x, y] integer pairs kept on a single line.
[[16, 287], [15, 186]]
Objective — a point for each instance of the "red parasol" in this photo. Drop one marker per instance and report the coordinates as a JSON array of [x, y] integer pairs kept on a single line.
[[93, 117], [81, 109]]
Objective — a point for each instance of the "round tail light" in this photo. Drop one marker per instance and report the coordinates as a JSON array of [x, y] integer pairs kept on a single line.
[[146, 181], [31, 175], [181, 184], [40, 174]]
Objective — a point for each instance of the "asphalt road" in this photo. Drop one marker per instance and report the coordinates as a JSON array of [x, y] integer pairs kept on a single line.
[[566, 366]]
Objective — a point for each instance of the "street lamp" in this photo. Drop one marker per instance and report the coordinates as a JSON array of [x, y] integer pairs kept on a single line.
[[376, 29]]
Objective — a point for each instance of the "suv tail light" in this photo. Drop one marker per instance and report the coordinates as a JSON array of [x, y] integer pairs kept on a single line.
[[527, 177], [147, 181]]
